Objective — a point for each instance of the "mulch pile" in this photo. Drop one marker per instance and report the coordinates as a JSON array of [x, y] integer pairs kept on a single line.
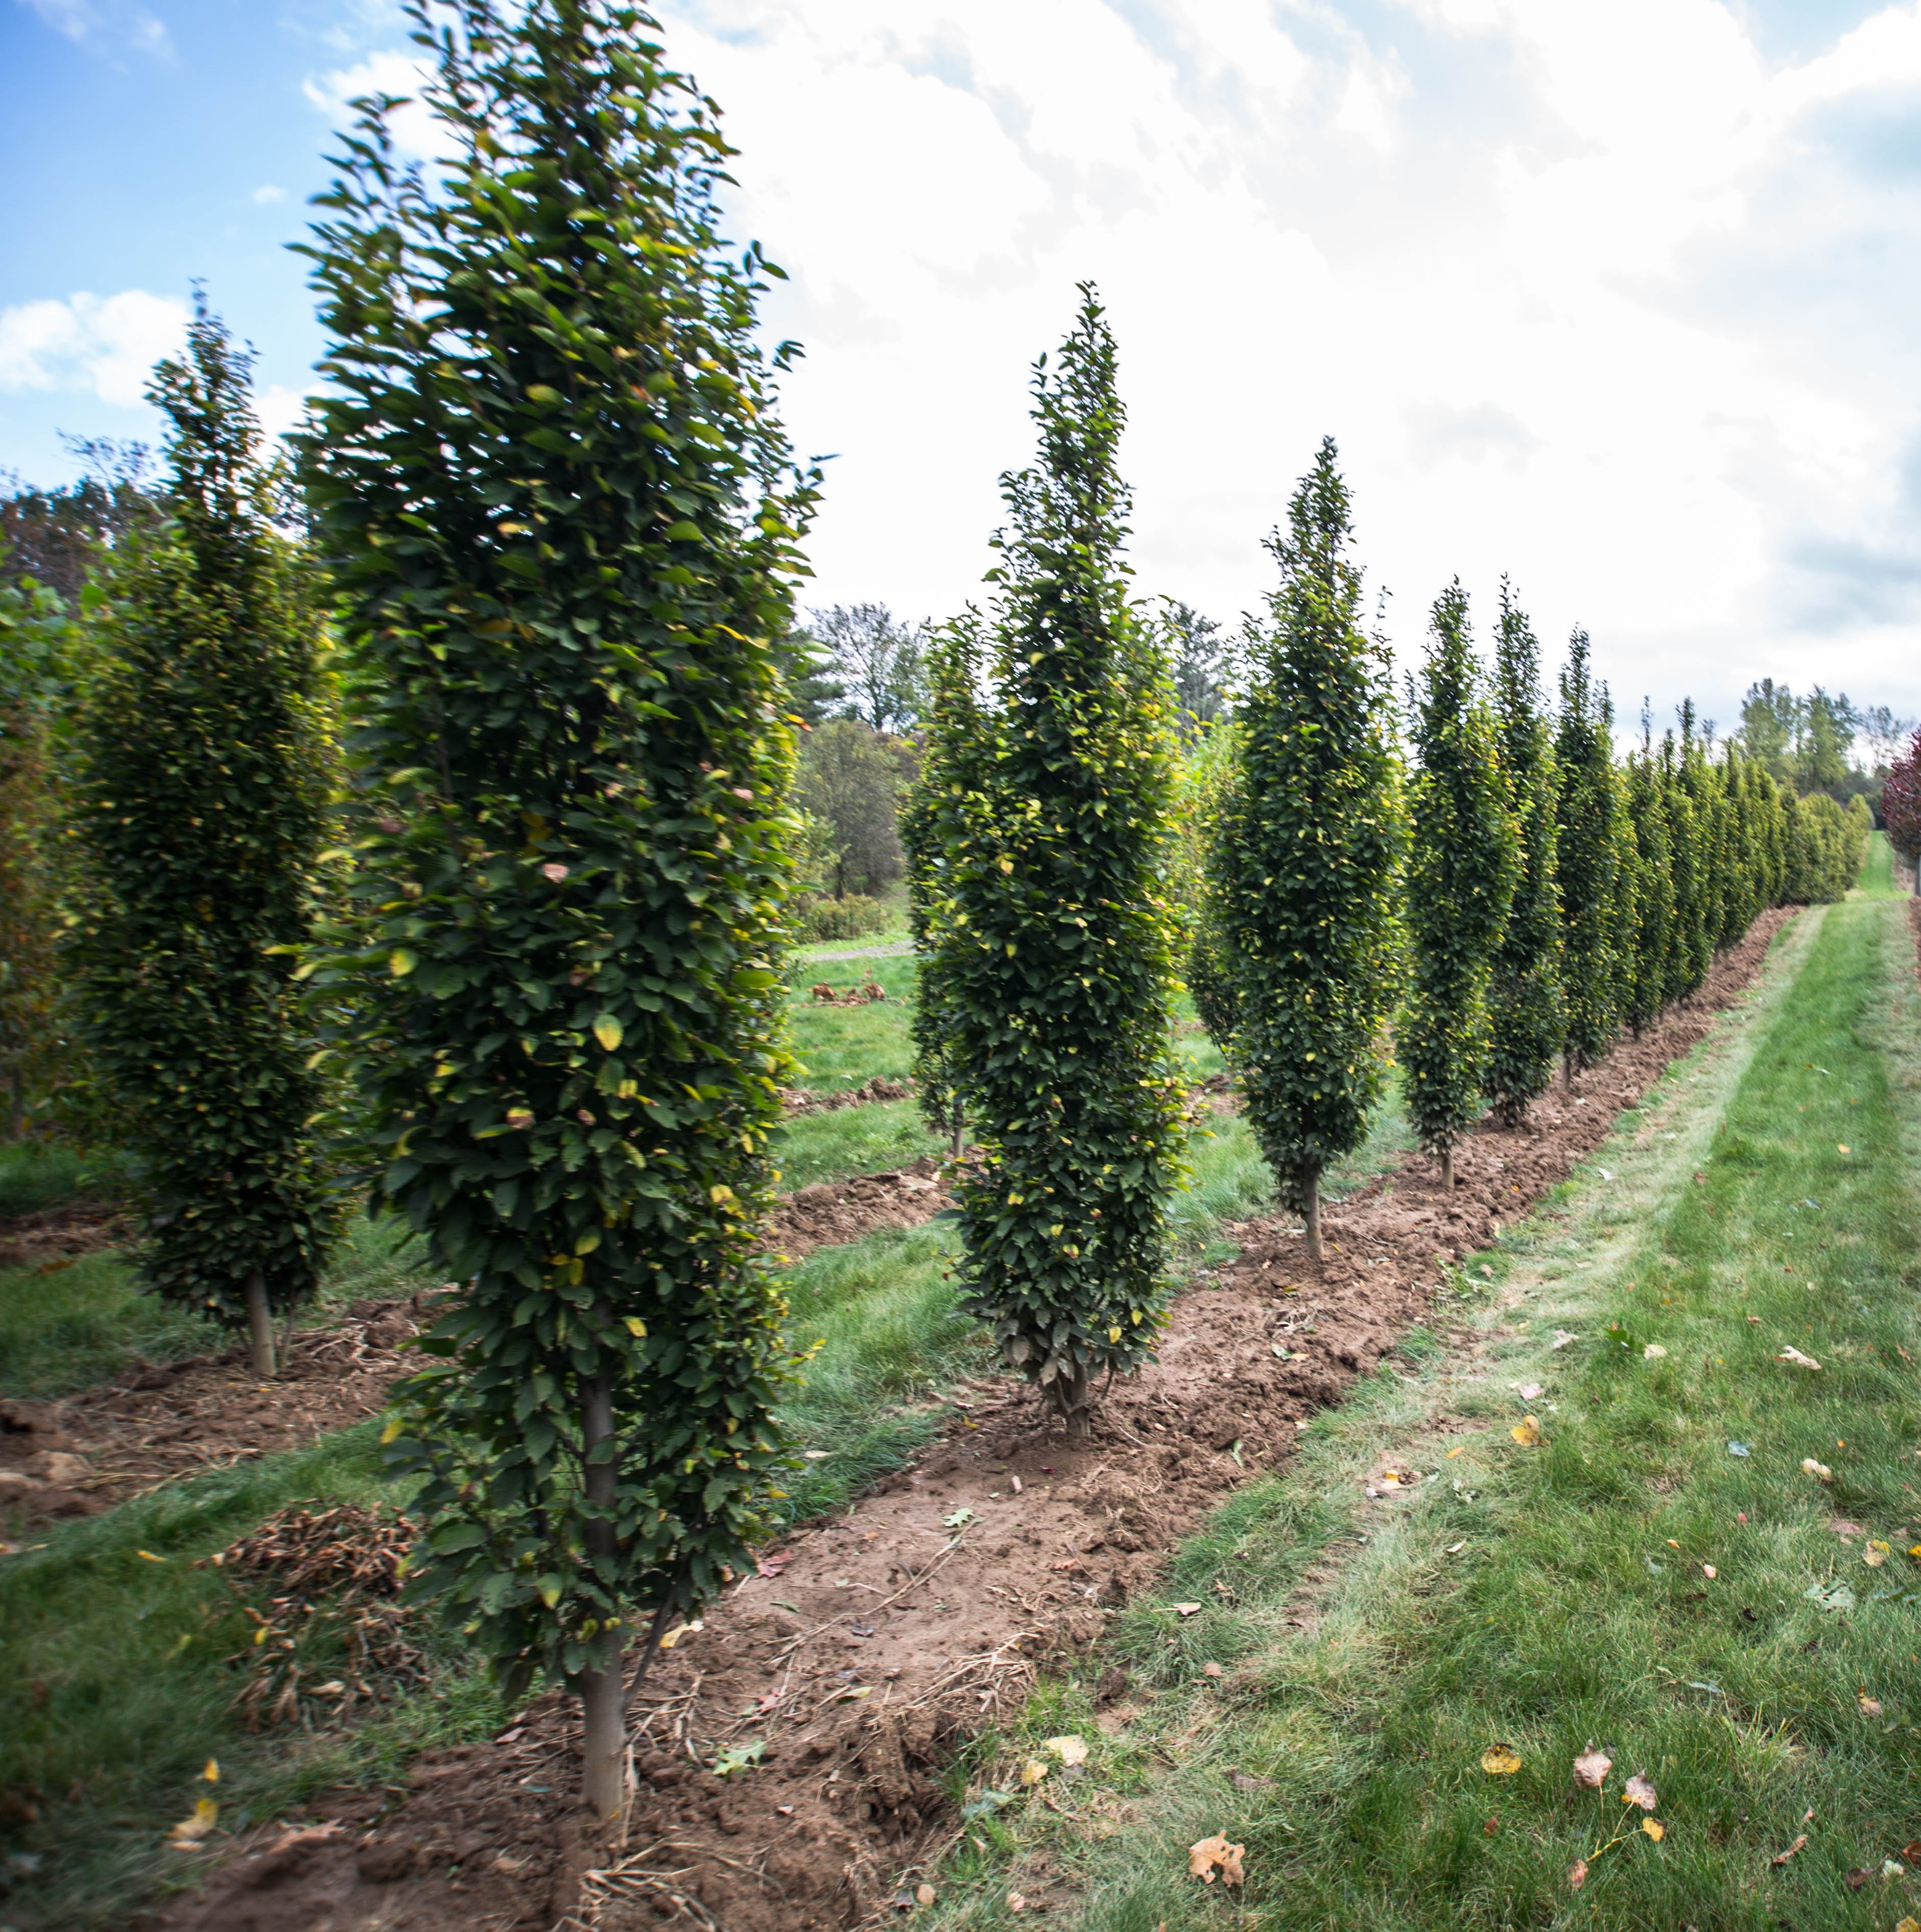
[[796, 1101], [51, 1239], [865, 1647]]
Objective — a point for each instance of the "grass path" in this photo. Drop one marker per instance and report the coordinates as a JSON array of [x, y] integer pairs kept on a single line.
[[1549, 1598]]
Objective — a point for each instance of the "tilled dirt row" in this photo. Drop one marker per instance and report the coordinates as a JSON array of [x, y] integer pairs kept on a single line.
[[865, 1647], [89, 1451]]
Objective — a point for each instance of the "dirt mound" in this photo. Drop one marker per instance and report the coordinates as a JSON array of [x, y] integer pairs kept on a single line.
[[51, 1239], [833, 1211], [95, 1449], [863, 1648], [796, 1101]]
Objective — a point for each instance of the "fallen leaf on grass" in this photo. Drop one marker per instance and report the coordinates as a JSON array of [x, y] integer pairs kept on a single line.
[[1033, 1772], [1639, 1791], [1791, 1353], [1911, 1851], [1561, 1338], [1493, 1825], [1211, 1670], [1843, 1528], [1592, 1767], [1708, 1571], [1528, 1391], [1577, 1874], [1892, 1868], [1781, 1858], [1069, 1750], [1740, 1448], [191, 1830], [1655, 1828], [1819, 1472], [1875, 1555], [1754, 1321], [1857, 1877], [1500, 1761], [1526, 1432], [1204, 1856], [1830, 1596], [1187, 1610], [923, 1895], [1908, 1925], [1653, 1352], [1871, 1707]]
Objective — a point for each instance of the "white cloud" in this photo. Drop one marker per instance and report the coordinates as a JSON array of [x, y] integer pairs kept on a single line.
[[267, 192], [108, 346], [1583, 291], [417, 135], [111, 23]]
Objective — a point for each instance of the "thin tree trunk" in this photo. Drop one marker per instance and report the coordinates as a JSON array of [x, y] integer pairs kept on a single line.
[[1567, 1069], [260, 1325], [1447, 1168], [1311, 1212], [603, 1712], [960, 1131]]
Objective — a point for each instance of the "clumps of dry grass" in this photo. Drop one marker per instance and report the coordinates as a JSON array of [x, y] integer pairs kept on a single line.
[[334, 1633]]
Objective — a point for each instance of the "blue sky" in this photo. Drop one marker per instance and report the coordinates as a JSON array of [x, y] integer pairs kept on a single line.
[[1622, 300]]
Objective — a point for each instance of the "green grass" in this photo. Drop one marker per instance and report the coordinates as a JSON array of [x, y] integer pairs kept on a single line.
[[35, 1175], [1542, 1603], [840, 1047], [852, 1141], [71, 1327]]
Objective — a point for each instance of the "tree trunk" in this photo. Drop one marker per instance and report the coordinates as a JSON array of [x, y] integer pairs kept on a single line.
[[603, 1713], [1567, 1069], [1311, 1212], [259, 1325], [1447, 1168], [960, 1131]]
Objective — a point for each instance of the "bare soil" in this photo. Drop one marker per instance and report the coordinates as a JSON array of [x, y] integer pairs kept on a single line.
[[57, 1236], [796, 1101], [864, 1648]]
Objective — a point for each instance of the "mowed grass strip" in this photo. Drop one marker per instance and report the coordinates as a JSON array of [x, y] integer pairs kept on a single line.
[[1553, 1598]]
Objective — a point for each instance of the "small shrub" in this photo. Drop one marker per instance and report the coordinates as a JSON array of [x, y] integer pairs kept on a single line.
[[855, 917]]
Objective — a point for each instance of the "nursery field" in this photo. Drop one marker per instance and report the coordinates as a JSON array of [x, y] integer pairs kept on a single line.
[[1313, 1568]]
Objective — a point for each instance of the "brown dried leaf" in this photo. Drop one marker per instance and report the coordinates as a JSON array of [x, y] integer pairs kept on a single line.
[[1208, 1852], [1592, 1767], [1781, 1858], [923, 1895], [1801, 1361], [1577, 1874], [1639, 1790]]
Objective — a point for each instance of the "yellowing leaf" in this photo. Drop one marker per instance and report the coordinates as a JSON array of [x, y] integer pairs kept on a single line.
[[607, 1030], [394, 1425], [1204, 1855], [1875, 1555], [1655, 1828], [147, 1555], [400, 962], [1070, 1750], [1033, 1772], [1840, 1149], [1500, 1761], [191, 1831], [1114, 1332], [211, 1772], [1526, 1432], [635, 1326], [1819, 1472]]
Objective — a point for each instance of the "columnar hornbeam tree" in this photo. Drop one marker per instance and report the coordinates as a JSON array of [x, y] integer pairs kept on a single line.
[[198, 800], [563, 517], [1307, 857], [1052, 944], [1466, 858], [1592, 822], [1527, 1013]]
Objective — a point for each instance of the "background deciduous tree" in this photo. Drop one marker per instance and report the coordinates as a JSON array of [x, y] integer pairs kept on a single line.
[[852, 778]]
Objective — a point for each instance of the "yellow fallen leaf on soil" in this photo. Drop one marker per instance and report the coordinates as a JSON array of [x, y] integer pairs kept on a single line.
[[1592, 1767], [1527, 1433], [1655, 1828], [191, 1831], [1638, 1790], [1069, 1750], [1500, 1761], [1033, 1772], [1204, 1856]]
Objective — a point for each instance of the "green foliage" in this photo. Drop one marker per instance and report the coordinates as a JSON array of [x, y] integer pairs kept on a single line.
[[197, 798], [1210, 767], [1051, 943], [1466, 860], [36, 648], [560, 510], [1592, 826], [817, 921], [1644, 964], [1527, 1013], [1828, 845], [851, 777], [1307, 859]]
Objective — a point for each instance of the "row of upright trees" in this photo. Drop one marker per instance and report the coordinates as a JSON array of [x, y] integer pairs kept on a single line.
[[1506, 899]]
